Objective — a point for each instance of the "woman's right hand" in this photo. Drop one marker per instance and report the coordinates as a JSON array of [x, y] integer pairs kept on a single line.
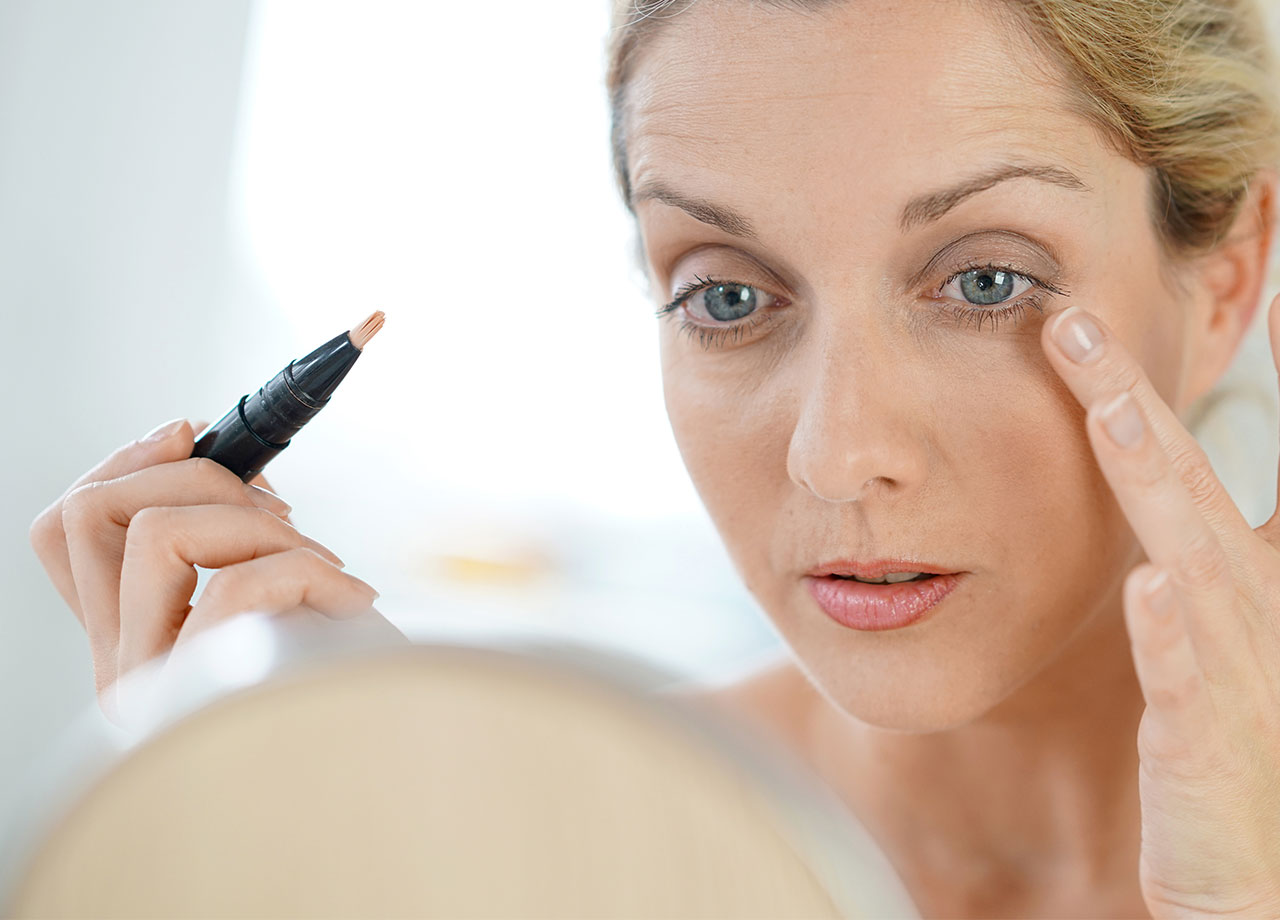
[[122, 542]]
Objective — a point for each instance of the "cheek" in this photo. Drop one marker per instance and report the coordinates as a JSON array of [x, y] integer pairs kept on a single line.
[[1031, 474], [1156, 340], [1065, 542], [724, 436], [1061, 544], [732, 440]]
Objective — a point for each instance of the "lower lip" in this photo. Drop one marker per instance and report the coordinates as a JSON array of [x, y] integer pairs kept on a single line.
[[862, 606]]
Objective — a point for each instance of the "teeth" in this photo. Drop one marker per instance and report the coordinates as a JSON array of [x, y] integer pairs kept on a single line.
[[892, 578]]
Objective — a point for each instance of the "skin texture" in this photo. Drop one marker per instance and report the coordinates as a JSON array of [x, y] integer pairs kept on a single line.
[[990, 747]]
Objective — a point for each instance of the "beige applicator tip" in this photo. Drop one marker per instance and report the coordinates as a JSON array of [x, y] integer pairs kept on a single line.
[[361, 334]]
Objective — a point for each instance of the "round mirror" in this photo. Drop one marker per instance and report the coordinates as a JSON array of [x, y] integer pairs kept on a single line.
[[287, 769]]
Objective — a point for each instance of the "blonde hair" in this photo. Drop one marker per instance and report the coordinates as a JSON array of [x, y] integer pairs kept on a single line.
[[1187, 88]]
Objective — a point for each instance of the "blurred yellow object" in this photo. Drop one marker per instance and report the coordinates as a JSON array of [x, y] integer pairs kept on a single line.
[[476, 569]]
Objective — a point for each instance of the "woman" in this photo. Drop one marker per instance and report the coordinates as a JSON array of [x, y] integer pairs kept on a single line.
[[866, 223]]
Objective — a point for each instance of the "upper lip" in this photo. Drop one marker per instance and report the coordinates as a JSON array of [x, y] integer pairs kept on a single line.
[[876, 568]]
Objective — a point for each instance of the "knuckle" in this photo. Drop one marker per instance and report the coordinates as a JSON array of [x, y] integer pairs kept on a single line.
[[1157, 746], [1126, 377], [1119, 376], [1196, 474], [1148, 477], [209, 472], [45, 529], [227, 585], [203, 466], [148, 526], [1201, 561], [80, 503], [1174, 696], [1265, 580]]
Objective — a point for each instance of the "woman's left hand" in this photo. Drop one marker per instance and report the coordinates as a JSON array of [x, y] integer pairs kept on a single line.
[[1206, 646]]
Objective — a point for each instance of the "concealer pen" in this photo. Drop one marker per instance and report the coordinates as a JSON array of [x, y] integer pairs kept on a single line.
[[261, 425]]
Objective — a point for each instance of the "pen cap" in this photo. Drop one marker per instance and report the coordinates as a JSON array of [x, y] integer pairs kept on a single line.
[[315, 376]]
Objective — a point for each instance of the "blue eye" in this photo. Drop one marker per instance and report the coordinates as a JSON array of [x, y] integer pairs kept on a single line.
[[992, 292], [989, 286], [721, 302], [727, 302]]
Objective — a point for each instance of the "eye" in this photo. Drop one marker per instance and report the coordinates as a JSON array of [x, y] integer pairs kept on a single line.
[[994, 292], [721, 309], [988, 285], [719, 301]]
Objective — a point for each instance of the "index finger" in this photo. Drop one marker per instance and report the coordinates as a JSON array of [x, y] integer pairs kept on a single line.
[[173, 440], [1096, 366]]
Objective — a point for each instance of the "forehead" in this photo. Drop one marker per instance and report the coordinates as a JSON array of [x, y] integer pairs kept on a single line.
[[848, 103]]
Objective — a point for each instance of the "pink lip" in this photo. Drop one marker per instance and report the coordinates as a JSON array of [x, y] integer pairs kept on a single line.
[[876, 568], [873, 607]]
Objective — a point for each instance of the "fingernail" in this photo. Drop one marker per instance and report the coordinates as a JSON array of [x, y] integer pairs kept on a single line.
[[326, 552], [1123, 420], [268, 500], [1159, 595], [160, 432], [1077, 335]]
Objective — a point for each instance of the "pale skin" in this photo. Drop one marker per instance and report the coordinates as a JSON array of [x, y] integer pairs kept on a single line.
[[992, 750]]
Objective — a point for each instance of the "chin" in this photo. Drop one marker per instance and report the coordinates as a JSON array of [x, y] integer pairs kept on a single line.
[[911, 715], [931, 676], [918, 709]]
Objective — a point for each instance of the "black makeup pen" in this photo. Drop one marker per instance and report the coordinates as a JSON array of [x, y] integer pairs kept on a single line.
[[261, 425]]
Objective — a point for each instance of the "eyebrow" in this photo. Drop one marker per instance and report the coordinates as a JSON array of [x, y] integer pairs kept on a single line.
[[725, 218], [922, 209], [929, 207]]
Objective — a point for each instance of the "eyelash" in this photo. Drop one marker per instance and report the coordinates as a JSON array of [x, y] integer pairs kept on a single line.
[[710, 337]]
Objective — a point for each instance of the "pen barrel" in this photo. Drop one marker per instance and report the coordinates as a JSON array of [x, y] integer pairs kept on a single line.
[[280, 408], [260, 426]]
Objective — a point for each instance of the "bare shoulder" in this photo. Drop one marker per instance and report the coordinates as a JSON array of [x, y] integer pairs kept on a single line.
[[776, 698]]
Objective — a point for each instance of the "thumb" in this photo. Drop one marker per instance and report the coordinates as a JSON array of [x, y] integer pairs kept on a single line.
[[170, 441]]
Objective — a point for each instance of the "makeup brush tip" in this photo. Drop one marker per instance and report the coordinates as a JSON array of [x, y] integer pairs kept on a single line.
[[362, 333]]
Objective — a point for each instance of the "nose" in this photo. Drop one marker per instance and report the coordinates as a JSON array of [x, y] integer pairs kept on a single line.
[[854, 437]]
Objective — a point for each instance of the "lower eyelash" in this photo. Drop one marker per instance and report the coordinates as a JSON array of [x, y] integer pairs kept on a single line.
[[1011, 312], [709, 337]]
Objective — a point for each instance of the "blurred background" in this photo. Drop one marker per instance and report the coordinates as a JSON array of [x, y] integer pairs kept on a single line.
[[195, 192]]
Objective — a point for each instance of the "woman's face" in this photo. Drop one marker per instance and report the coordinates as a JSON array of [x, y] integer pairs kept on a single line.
[[853, 393]]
